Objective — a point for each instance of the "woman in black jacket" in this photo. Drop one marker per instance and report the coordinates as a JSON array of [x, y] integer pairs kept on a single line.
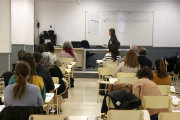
[[54, 70], [113, 39]]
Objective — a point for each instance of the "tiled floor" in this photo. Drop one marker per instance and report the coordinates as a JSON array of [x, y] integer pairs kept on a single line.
[[82, 99]]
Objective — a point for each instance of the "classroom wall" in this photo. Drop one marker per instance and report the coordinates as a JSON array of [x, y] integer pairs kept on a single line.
[[68, 19], [5, 35]]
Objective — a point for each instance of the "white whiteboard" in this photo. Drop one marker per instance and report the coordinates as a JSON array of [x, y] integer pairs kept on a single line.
[[131, 27]]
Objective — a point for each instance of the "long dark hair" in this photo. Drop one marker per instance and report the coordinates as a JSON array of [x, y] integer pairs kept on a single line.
[[114, 51], [28, 57], [113, 33], [160, 68], [21, 70], [51, 47]]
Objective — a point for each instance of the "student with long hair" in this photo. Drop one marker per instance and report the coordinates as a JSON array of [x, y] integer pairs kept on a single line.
[[113, 39], [19, 55], [22, 93], [33, 78], [129, 65], [160, 76], [113, 55], [68, 51]]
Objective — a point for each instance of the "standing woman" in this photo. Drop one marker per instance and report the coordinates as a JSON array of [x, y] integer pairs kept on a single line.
[[113, 39]]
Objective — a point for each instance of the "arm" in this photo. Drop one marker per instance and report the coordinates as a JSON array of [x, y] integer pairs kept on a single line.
[[43, 93], [75, 57], [118, 69], [39, 98], [50, 82]]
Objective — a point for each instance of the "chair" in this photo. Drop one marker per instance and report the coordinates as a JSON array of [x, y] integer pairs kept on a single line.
[[165, 89], [55, 80], [110, 65], [66, 61], [85, 44], [157, 102], [122, 74], [168, 116], [125, 115], [104, 72], [129, 80], [105, 63], [48, 117], [63, 69]]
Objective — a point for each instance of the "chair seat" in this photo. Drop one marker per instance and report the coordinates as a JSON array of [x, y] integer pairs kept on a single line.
[[103, 82]]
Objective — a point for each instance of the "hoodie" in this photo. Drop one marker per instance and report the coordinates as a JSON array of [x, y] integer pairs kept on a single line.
[[44, 73]]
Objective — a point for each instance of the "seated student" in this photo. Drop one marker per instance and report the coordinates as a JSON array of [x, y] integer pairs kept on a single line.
[[143, 61], [22, 93], [129, 65], [132, 47], [113, 55], [146, 87], [40, 49], [44, 73], [34, 78], [68, 51], [46, 49], [54, 70], [160, 76], [19, 55], [177, 68]]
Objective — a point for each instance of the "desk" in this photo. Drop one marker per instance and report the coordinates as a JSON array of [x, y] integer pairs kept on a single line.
[[98, 51], [79, 52], [78, 118]]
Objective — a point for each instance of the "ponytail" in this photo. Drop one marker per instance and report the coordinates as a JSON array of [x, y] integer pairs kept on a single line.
[[160, 68], [21, 71], [20, 87]]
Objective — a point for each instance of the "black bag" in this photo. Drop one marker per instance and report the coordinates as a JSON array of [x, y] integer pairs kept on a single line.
[[7, 75], [72, 82]]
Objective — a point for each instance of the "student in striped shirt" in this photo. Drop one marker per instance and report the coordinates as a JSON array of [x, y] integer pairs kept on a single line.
[[113, 55]]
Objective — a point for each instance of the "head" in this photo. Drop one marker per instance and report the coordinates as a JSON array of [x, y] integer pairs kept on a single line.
[[51, 47], [37, 57], [114, 51], [145, 72], [28, 57], [46, 48], [160, 68], [134, 47], [22, 74], [142, 51], [20, 54], [40, 49], [112, 32], [47, 60], [67, 44], [131, 59]]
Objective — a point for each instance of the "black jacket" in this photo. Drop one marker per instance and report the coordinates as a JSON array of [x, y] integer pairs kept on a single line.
[[56, 72], [19, 112], [127, 100], [44, 73], [7, 75], [143, 61], [113, 40], [177, 68]]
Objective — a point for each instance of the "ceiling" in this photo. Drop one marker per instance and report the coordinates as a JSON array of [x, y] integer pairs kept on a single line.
[[115, 0]]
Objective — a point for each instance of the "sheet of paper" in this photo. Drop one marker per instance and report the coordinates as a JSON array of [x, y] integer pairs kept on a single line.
[[99, 61], [172, 87], [174, 98], [49, 97], [2, 107], [57, 85]]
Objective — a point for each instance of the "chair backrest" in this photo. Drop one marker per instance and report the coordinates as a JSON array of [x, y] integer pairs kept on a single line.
[[63, 69], [55, 80], [169, 116], [122, 74], [129, 80], [105, 63], [48, 117], [109, 102], [165, 89], [105, 71], [157, 102], [85, 44], [125, 115], [67, 61]]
